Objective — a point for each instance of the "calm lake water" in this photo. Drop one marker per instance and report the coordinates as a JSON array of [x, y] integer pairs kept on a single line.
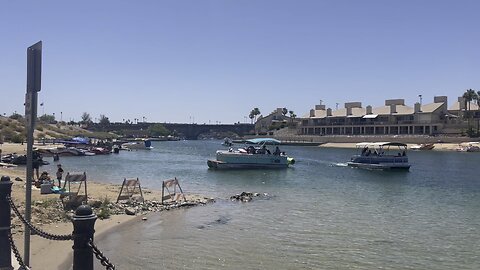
[[320, 213]]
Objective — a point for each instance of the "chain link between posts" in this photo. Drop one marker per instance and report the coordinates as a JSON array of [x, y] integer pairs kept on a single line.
[[98, 254], [35, 229], [102, 258], [17, 253]]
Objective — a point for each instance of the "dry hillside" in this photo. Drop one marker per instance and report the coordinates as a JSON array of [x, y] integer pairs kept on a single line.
[[12, 130]]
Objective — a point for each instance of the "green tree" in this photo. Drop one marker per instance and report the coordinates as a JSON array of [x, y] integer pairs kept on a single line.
[[104, 121], [157, 130], [46, 118], [284, 111], [86, 118], [16, 116]]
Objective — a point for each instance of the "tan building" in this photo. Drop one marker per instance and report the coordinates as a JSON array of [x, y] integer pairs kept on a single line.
[[394, 118]]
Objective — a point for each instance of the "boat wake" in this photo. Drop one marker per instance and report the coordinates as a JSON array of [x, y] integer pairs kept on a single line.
[[339, 165]]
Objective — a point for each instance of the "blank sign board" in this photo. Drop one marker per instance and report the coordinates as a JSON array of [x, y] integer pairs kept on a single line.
[[34, 67]]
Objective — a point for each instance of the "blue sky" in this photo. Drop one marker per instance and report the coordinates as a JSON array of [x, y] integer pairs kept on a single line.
[[209, 61]]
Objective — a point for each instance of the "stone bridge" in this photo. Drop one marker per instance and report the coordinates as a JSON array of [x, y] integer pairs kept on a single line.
[[188, 131]]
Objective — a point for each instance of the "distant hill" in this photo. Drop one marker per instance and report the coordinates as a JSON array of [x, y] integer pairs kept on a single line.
[[13, 130]]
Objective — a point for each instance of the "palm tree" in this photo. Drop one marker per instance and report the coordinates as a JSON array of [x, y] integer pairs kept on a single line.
[[478, 109], [256, 112], [477, 98], [469, 96], [292, 115], [284, 111], [251, 116]]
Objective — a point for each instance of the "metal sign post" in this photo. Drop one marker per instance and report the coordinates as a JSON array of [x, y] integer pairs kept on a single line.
[[34, 75]]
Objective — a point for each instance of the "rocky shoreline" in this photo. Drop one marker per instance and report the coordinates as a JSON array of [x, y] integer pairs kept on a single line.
[[51, 211]]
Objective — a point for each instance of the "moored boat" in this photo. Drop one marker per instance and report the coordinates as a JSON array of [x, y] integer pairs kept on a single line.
[[138, 145], [252, 157], [469, 147], [423, 146], [381, 156]]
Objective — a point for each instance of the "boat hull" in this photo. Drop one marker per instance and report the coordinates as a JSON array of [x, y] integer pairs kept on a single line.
[[379, 166], [220, 165], [237, 160]]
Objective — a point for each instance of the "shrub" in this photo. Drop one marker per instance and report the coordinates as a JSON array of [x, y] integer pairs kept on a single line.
[[7, 133], [17, 138], [19, 129], [51, 134], [40, 136], [104, 211]]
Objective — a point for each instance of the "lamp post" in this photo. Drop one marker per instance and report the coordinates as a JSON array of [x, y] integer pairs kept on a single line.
[[420, 97]]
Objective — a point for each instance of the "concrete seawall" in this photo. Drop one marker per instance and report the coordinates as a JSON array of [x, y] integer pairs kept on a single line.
[[357, 139]]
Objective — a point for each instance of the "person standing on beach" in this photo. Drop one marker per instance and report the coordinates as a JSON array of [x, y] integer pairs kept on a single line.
[[36, 159], [59, 175]]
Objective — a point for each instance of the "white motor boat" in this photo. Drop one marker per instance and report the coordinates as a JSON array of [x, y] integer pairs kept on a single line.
[[423, 146], [252, 157], [470, 147], [381, 156], [138, 145]]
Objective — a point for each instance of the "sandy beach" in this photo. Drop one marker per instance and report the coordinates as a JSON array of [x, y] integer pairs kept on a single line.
[[47, 214]]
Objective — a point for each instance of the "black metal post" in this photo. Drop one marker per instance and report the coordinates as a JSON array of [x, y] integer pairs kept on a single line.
[[83, 230], [5, 224]]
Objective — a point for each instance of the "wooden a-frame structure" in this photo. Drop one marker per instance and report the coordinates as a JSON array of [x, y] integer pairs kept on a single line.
[[129, 187]]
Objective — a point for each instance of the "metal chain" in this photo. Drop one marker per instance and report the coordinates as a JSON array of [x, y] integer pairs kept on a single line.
[[17, 253], [103, 260], [37, 230]]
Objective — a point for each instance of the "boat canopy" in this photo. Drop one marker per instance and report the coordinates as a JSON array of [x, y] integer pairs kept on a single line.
[[380, 144], [82, 140], [263, 140]]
